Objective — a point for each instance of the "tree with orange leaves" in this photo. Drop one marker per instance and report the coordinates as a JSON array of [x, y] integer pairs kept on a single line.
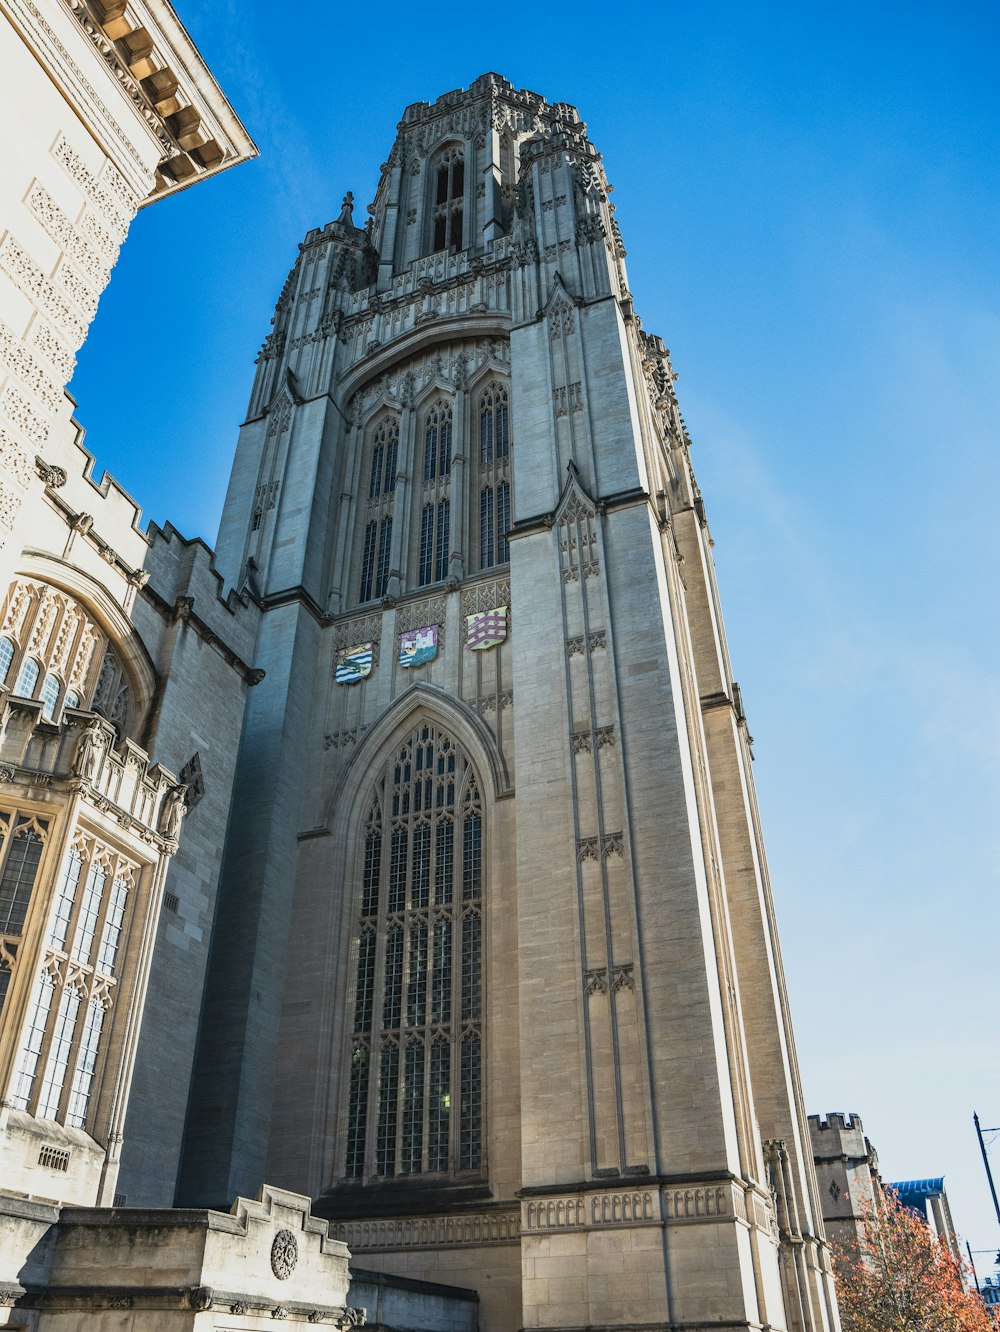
[[899, 1277]]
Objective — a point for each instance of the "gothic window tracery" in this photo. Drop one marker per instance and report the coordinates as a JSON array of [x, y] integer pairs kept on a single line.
[[414, 1099], [435, 513], [51, 649], [437, 441], [447, 210], [494, 475], [376, 547], [60, 1047]]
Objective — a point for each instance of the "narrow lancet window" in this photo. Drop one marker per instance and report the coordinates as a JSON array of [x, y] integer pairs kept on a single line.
[[494, 474], [448, 175]]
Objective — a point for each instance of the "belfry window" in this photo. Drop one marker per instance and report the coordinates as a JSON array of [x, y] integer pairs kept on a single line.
[[376, 549], [434, 525], [414, 1096], [494, 472], [385, 456], [448, 178], [437, 442]]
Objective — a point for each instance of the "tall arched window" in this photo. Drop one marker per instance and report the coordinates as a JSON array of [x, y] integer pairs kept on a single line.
[[448, 184], [494, 472], [414, 1097], [437, 441], [49, 695], [434, 531], [376, 547], [28, 678], [384, 459], [7, 650]]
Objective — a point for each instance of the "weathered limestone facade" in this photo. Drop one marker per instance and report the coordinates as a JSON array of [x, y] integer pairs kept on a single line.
[[174, 1270], [106, 105], [495, 974], [847, 1174], [118, 656]]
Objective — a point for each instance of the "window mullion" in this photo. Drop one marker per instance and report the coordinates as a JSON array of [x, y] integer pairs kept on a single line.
[[369, 1168]]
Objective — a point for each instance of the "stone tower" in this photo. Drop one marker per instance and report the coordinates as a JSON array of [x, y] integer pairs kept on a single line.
[[495, 973]]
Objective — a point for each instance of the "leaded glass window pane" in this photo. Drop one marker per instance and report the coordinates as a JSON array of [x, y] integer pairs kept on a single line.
[[83, 1078], [90, 908], [413, 1108], [375, 480], [24, 851], [391, 460], [49, 695], [357, 1109], [503, 522], [439, 1106], [59, 1047], [6, 657], [416, 954], [486, 560], [387, 1110], [426, 543], [107, 954], [470, 1149], [28, 678], [368, 561], [430, 452], [441, 556], [384, 550], [41, 1002], [68, 885]]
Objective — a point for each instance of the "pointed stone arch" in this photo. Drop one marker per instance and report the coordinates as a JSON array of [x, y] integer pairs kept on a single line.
[[345, 805]]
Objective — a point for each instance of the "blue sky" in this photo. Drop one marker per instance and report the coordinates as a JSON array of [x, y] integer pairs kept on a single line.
[[809, 198]]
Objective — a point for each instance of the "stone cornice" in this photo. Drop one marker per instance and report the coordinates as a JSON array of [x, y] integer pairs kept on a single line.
[[160, 70]]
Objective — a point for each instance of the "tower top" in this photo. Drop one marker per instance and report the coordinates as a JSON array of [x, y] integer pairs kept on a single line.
[[494, 88]]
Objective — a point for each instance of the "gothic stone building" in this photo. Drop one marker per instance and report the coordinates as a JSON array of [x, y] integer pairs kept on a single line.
[[494, 973]]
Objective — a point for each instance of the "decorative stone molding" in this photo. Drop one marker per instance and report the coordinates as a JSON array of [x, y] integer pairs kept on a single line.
[[114, 213], [20, 361], [284, 1254], [32, 282], [418, 1232], [359, 629], [486, 596], [603, 1209], [54, 477]]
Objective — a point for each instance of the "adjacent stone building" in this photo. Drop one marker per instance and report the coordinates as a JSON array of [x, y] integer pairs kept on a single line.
[[850, 1186], [852, 1190]]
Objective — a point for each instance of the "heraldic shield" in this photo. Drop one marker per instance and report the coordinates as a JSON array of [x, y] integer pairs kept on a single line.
[[418, 646], [354, 664], [486, 629]]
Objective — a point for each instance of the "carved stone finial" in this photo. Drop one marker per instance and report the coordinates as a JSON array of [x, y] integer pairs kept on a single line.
[[347, 210]]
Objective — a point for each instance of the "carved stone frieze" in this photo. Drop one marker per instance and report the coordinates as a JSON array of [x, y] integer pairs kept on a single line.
[[32, 282], [429, 1231]]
